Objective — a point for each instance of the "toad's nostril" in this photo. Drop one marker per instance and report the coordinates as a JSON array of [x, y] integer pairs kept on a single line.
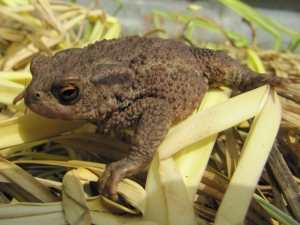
[[37, 95]]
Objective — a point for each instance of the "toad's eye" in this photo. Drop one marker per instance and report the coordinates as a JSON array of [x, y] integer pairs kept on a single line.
[[68, 92]]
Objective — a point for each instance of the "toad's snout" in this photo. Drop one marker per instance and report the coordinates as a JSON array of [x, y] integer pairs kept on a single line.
[[32, 96], [37, 101]]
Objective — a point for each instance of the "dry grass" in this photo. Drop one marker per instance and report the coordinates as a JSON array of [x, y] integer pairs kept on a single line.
[[50, 177]]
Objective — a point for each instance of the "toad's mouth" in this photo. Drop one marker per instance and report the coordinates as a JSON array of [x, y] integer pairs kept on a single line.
[[54, 110]]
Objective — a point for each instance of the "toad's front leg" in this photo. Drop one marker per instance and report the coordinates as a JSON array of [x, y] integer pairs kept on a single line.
[[151, 118]]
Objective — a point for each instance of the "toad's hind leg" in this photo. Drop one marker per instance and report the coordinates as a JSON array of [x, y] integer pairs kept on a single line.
[[221, 70], [152, 119]]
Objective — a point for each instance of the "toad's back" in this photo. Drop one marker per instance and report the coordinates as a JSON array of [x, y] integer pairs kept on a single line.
[[165, 69]]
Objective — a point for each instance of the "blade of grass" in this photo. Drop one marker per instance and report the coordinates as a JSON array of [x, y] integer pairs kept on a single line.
[[192, 160], [8, 91], [178, 205], [156, 208], [254, 62], [275, 212], [18, 77], [253, 16], [295, 43], [244, 9], [26, 181], [213, 120], [32, 127], [32, 213], [45, 8], [255, 152], [75, 208]]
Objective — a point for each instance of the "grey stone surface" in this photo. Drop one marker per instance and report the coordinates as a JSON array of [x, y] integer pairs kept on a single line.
[[135, 16]]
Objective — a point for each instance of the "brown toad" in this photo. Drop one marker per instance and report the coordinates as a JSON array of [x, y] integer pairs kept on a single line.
[[145, 84]]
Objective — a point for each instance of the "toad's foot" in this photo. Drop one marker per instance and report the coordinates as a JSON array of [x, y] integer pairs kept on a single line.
[[113, 174], [280, 82]]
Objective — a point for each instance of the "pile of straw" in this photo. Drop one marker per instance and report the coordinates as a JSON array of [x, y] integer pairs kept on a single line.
[[49, 168]]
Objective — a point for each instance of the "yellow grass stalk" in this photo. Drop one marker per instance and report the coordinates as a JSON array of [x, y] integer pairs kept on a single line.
[[24, 20], [19, 77], [74, 203], [53, 213], [156, 207], [171, 182], [73, 21], [260, 102], [30, 50], [134, 195], [32, 213], [9, 152], [8, 91], [113, 31], [44, 8], [213, 120], [255, 152], [132, 192], [176, 183], [24, 180], [254, 62], [178, 207], [232, 152], [32, 127], [163, 174], [77, 208], [69, 163], [292, 117], [11, 35], [61, 30], [97, 32], [192, 160]]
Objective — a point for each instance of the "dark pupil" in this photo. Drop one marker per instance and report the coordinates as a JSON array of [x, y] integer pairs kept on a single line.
[[69, 91]]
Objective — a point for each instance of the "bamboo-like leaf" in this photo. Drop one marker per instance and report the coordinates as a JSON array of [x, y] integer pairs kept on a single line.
[[192, 160], [172, 204], [254, 62], [26, 181], [24, 20], [45, 8], [156, 208], [113, 31], [213, 120], [70, 163], [32, 127], [18, 77], [11, 35], [73, 21], [292, 117], [97, 32], [14, 149], [39, 44], [255, 152], [178, 187], [32, 213], [75, 208], [295, 43], [254, 16], [29, 51], [231, 152], [275, 212], [95, 143], [179, 208], [134, 194], [8, 91]]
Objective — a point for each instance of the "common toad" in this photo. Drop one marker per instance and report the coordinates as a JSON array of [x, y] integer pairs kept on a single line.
[[145, 84]]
